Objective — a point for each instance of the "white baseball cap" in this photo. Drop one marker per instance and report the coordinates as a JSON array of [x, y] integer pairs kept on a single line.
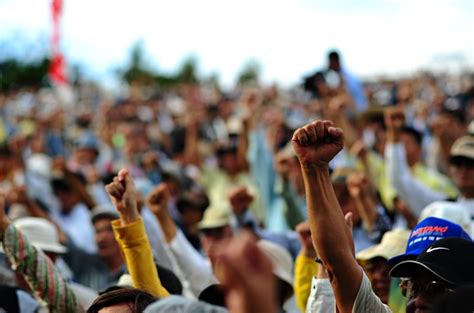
[[451, 211]]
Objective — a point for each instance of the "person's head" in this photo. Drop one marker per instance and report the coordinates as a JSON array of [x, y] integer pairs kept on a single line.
[[65, 193], [449, 124], [227, 158], [86, 149], [462, 165], [375, 264], [412, 140], [442, 268], [107, 246], [215, 231], [122, 300], [334, 61], [191, 205], [42, 234], [339, 183]]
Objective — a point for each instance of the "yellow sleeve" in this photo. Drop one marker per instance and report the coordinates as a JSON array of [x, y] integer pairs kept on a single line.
[[305, 269], [134, 243]]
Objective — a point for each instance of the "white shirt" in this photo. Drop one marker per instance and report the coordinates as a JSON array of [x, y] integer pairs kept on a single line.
[[195, 268], [415, 194], [321, 297], [77, 224]]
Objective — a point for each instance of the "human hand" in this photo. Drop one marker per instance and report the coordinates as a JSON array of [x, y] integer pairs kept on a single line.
[[359, 150], [246, 274], [240, 199], [317, 143], [158, 200], [304, 236], [357, 184], [394, 121], [282, 164], [18, 195], [336, 107], [123, 194]]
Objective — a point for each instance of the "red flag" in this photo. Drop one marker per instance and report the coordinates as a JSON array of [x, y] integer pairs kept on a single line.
[[57, 68]]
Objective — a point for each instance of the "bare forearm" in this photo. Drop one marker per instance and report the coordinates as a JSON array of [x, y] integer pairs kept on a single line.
[[325, 215], [331, 236]]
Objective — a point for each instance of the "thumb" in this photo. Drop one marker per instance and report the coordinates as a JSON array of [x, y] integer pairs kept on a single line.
[[349, 221], [335, 132]]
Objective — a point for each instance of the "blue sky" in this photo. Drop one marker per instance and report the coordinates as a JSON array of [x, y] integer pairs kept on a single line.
[[288, 38]]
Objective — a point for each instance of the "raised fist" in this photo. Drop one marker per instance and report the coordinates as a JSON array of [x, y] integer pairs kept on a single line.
[[304, 236], [123, 194], [317, 143], [158, 199], [356, 184], [240, 199]]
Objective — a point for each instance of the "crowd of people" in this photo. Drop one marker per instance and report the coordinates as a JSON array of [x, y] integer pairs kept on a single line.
[[330, 196]]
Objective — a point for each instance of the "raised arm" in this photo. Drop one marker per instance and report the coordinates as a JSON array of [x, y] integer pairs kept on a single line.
[[130, 233], [412, 192], [316, 144], [196, 270], [42, 277]]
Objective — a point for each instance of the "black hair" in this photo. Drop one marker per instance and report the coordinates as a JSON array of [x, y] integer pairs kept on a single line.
[[413, 133], [198, 200], [5, 150], [136, 299], [333, 54], [457, 114], [60, 184], [214, 294]]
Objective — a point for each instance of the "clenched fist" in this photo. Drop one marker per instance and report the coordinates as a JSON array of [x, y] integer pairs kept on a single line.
[[317, 143], [123, 194], [158, 199]]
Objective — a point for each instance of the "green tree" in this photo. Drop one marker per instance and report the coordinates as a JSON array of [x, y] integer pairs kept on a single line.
[[250, 73]]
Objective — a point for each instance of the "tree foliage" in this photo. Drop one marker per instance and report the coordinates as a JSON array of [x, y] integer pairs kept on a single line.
[[15, 74]]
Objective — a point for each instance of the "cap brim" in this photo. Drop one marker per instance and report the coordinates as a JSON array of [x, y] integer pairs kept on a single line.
[[411, 268], [59, 249], [111, 215], [204, 226]]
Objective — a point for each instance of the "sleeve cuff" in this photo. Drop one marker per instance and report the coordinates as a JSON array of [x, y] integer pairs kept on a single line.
[[131, 234]]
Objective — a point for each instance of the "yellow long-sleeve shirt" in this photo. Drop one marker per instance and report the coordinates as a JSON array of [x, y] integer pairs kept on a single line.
[[134, 243], [305, 269]]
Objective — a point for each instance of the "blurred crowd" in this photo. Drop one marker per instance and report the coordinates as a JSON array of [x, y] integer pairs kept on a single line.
[[198, 200]]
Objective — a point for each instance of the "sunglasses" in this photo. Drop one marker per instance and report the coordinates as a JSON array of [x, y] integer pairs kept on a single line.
[[410, 287]]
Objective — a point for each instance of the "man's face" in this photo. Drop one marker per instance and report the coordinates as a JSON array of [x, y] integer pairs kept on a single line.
[[412, 148], [378, 271], [67, 198], [422, 291], [462, 173], [213, 239], [107, 246]]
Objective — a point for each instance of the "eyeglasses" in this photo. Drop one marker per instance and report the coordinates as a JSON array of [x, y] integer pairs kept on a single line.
[[433, 288]]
